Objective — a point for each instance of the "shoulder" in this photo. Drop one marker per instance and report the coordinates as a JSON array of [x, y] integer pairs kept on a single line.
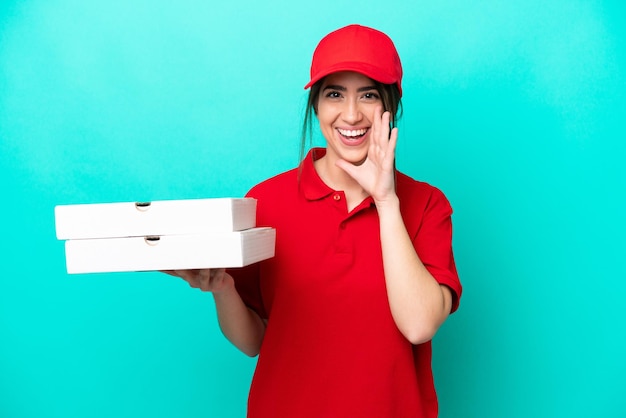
[[275, 196], [275, 186], [416, 195]]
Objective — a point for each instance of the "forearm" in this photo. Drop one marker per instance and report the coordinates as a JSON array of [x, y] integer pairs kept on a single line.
[[419, 304], [240, 325]]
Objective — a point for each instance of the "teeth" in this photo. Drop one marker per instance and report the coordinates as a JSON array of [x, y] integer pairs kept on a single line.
[[352, 133]]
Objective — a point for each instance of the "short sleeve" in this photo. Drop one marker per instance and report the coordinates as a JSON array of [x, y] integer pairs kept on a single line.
[[433, 244], [247, 283]]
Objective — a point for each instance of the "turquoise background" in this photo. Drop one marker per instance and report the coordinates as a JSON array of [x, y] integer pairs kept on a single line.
[[514, 109]]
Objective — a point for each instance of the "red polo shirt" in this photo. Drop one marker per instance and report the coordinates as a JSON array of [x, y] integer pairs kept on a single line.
[[331, 347]]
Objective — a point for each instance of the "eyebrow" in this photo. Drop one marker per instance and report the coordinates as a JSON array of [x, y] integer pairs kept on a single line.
[[342, 88]]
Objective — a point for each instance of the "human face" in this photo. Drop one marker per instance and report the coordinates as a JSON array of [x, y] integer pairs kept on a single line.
[[345, 110]]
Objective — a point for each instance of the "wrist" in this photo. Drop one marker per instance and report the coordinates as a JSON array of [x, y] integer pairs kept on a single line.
[[388, 204]]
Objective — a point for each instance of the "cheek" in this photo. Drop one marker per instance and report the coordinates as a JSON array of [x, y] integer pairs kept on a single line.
[[367, 114], [324, 117]]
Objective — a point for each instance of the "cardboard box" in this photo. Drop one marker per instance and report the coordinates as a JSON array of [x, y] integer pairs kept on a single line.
[[162, 235], [165, 217], [173, 252]]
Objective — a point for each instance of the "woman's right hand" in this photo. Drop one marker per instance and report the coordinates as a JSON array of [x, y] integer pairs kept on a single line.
[[207, 280]]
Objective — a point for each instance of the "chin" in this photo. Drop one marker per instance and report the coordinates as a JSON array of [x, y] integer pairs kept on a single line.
[[355, 158], [357, 163]]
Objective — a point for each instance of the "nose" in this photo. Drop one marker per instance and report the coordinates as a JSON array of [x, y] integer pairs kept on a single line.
[[352, 112]]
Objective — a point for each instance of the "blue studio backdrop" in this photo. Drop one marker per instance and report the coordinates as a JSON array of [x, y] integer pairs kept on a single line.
[[514, 109]]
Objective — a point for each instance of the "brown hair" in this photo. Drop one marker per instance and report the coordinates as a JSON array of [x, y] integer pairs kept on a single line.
[[389, 94]]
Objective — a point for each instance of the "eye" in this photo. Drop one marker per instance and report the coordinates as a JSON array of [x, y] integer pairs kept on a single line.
[[333, 94], [371, 95]]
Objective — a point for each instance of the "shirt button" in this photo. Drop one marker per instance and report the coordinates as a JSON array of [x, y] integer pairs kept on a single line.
[[337, 197]]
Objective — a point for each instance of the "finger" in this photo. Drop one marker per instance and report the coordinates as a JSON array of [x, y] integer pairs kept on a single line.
[[205, 279], [347, 167], [386, 116], [217, 279], [384, 129], [390, 152], [218, 274], [192, 282], [190, 276], [375, 126], [381, 140], [393, 141], [210, 278]]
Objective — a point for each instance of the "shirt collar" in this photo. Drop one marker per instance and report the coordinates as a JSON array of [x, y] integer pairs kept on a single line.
[[311, 184]]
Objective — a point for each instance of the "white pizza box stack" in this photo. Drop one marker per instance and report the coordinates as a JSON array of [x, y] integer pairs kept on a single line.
[[162, 235], [170, 252], [165, 217]]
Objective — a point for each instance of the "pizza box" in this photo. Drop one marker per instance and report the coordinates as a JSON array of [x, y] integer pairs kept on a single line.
[[164, 217], [170, 252]]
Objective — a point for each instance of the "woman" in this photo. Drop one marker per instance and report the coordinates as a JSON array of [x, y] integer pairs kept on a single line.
[[363, 276]]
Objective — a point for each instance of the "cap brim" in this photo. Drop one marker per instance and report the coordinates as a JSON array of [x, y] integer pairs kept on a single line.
[[359, 67]]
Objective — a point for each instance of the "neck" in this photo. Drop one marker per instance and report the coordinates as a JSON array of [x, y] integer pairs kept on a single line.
[[337, 179]]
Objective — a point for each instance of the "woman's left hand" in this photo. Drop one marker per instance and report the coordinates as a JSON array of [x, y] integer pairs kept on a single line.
[[377, 173]]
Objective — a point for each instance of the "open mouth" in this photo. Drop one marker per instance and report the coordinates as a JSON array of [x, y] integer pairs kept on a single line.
[[352, 135]]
